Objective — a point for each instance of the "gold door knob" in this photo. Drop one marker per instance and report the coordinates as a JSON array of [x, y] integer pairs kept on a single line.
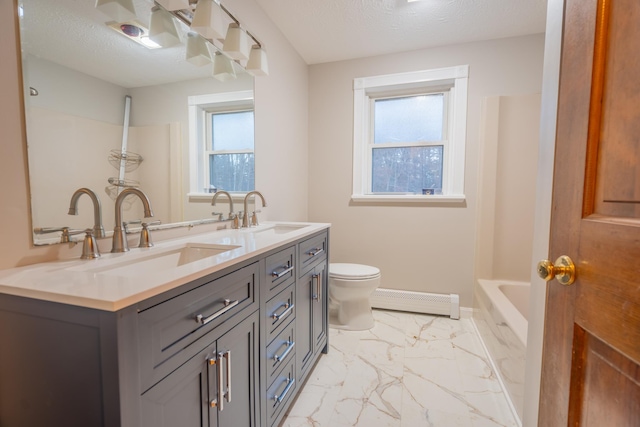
[[564, 270]]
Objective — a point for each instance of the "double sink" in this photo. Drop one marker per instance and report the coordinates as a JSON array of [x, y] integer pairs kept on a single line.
[[163, 258]]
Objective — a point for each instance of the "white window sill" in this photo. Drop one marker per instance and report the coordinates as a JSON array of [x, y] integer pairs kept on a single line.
[[409, 198]]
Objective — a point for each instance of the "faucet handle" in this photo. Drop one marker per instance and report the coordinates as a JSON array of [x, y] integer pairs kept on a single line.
[[64, 237], [90, 246], [254, 218], [220, 215], [236, 219], [127, 223], [145, 235]]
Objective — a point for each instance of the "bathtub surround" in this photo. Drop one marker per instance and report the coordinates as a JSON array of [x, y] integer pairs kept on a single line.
[[507, 186], [409, 370], [502, 325]]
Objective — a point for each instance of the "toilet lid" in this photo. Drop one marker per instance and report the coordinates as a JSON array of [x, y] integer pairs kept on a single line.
[[352, 271]]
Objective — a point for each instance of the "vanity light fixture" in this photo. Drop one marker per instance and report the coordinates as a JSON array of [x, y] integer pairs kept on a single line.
[[174, 4], [223, 68], [118, 10], [257, 64], [162, 28], [237, 44], [197, 50], [208, 20]]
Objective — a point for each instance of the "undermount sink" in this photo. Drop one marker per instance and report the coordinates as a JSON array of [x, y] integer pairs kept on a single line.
[[165, 260], [276, 229]]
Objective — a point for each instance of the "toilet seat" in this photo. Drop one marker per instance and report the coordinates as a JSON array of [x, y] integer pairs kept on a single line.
[[347, 271]]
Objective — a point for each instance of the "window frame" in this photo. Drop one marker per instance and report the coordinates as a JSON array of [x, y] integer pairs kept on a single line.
[[200, 109], [452, 80]]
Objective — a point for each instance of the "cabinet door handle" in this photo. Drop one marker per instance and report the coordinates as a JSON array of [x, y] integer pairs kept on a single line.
[[213, 361], [318, 295], [315, 251], [288, 307], [287, 269], [220, 387], [228, 305], [227, 356], [290, 345], [290, 382]]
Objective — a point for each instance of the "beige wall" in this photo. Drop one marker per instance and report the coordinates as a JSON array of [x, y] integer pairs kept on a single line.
[[419, 248], [281, 134]]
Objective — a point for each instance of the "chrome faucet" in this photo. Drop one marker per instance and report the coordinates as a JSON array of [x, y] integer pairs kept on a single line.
[[245, 215], [119, 237], [232, 215], [98, 229]]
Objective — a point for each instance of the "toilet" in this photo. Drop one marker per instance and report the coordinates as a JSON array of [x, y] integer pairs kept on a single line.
[[350, 289]]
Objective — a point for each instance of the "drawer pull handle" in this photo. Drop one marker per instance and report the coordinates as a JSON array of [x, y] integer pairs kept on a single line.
[[288, 308], [228, 305], [318, 295], [279, 399], [314, 252], [290, 345], [287, 269]]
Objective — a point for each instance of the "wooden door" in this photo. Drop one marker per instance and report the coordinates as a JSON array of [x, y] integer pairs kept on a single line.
[[591, 354]]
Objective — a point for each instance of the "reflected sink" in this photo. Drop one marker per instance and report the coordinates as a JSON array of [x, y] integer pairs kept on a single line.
[[165, 260]]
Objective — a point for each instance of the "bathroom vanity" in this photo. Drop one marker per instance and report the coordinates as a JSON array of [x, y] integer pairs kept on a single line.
[[220, 329]]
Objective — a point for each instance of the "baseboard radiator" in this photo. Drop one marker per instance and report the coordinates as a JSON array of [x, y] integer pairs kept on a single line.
[[417, 302]]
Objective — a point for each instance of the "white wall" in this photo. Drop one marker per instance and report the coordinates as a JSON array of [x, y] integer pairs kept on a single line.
[[281, 135], [419, 248]]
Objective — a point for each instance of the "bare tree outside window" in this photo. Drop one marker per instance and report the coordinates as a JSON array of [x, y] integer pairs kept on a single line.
[[407, 150], [231, 158]]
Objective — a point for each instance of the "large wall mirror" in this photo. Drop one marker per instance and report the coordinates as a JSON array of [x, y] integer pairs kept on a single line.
[[78, 73]]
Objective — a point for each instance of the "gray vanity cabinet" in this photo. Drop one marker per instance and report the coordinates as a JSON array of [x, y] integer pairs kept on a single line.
[[311, 320], [312, 303], [217, 387], [228, 349]]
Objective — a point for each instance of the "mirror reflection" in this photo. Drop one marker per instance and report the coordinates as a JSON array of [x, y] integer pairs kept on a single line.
[[84, 82]]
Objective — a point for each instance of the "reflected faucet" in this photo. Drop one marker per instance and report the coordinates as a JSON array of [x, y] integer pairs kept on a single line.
[[119, 237], [232, 215], [98, 229], [245, 216]]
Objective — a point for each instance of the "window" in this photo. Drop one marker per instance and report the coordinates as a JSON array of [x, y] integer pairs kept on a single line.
[[229, 150], [409, 136], [221, 141]]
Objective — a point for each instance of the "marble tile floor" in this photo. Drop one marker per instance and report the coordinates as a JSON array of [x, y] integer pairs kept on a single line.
[[410, 370]]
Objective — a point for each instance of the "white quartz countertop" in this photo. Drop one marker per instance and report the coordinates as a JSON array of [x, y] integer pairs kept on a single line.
[[111, 282]]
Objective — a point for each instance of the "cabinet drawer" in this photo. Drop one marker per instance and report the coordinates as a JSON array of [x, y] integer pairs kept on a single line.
[[312, 250], [281, 351], [168, 329], [279, 311], [279, 271], [279, 394]]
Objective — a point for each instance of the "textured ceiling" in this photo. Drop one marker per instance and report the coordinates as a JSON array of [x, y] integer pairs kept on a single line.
[[334, 30], [73, 33]]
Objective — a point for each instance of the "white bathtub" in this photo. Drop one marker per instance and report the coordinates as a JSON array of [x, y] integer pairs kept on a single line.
[[500, 314]]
